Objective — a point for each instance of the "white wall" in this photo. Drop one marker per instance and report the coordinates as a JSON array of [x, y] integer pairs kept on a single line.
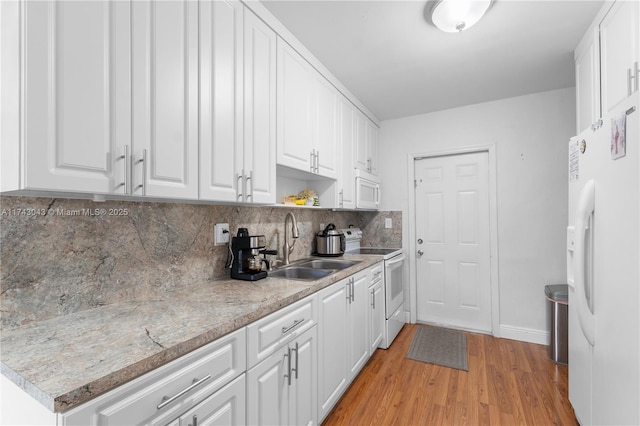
[[530, 134]]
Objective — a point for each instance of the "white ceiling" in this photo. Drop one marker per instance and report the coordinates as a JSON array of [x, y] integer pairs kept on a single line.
[[398, 64]]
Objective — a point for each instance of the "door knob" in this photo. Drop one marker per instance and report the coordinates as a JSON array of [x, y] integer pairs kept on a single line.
[[420, 252], [420, 241]]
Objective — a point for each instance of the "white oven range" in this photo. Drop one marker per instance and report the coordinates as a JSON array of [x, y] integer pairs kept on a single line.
[[393, 281]]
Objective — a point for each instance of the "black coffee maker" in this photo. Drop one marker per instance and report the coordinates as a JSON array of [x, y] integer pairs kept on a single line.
[[246, 263]]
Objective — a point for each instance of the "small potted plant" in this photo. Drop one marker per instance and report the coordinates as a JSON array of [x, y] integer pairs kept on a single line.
[[308, 195]]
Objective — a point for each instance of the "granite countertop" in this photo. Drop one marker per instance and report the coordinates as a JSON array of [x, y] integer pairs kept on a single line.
[[66, 361]]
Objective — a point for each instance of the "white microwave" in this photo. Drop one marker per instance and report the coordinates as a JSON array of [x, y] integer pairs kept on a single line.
[[367, 191]]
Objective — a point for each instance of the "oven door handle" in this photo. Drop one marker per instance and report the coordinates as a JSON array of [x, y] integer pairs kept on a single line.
[[395, 260]]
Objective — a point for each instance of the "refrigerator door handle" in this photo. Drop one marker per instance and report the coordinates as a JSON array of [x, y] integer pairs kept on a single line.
[[583, 265]]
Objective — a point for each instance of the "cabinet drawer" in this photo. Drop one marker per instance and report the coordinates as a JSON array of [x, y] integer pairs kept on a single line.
[[185, 381], [269, 333], [376, 272]]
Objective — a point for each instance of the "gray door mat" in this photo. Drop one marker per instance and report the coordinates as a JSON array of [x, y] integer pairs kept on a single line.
[[441, 346]]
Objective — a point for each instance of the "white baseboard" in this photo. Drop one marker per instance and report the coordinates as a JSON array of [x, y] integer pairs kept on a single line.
[[539, 337]]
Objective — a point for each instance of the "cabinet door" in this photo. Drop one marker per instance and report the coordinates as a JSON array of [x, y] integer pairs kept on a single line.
[[346, 126], [303, 395], [372, 147], [358, 339], [332, 346], [268, 390], [165, 98], [619, 51], [221, 100], [376, 316], [76, 86], [260, 110], [295, 101], [587, 60], [325, 127], [225, 407], [361, 155]]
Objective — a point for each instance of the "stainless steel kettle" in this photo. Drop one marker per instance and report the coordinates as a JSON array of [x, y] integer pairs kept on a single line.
[[330, 241]]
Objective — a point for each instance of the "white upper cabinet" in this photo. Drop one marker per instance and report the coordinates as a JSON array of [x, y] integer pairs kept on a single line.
[[372, 147], [307, 116], [176, 99], [619, 53], [165, 98], [77, 119], [221, 100], [607, 61], [366, 153], [346, 133], [111, 96], [325, 127], [259, 110], [295, 103], [587, 59], [237, 104]]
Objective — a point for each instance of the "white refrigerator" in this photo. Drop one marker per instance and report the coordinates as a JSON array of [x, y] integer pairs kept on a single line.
[[603, 269]]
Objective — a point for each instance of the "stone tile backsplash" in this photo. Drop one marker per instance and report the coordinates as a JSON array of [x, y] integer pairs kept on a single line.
[[60, 256]]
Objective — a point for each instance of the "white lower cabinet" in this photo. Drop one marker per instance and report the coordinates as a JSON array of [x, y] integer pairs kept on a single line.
[[376, 315], [343, 338], [282, 389], [357, 324]]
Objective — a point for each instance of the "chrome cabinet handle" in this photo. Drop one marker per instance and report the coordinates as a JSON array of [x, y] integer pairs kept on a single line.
[[318, 162], [249, 179], [296, 323], [239, 185], [420, 241], [350, 290], [195, 421], [125, 181], [297, 356], [420, 252], [369, 165], [288, 375], [143, 160], [168, 400], [312, 156], [373, 298]]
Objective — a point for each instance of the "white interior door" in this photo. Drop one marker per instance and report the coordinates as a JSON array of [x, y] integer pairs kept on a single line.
[[453, 241]]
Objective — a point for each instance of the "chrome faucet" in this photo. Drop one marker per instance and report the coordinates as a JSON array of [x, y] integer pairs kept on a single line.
[[294, 233]]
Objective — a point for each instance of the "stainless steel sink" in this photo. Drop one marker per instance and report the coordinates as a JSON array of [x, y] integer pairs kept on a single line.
[[301, 273], [328, 264]]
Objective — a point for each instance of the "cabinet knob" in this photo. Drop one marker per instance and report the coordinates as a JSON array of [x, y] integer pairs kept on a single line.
[[420, 252]]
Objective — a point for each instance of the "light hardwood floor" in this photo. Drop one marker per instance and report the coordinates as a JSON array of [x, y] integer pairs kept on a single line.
[[508, 383]]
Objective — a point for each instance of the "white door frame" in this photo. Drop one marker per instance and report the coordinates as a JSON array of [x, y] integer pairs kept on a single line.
[[493, 228]]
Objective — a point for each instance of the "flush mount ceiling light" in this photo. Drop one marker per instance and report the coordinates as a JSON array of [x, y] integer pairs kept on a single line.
[[453, 16]]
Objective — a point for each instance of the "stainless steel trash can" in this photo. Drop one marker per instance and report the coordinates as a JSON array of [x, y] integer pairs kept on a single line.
[[558, 318]]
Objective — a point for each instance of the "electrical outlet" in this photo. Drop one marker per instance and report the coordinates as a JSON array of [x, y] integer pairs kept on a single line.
[[221, 234], [387, 223]]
